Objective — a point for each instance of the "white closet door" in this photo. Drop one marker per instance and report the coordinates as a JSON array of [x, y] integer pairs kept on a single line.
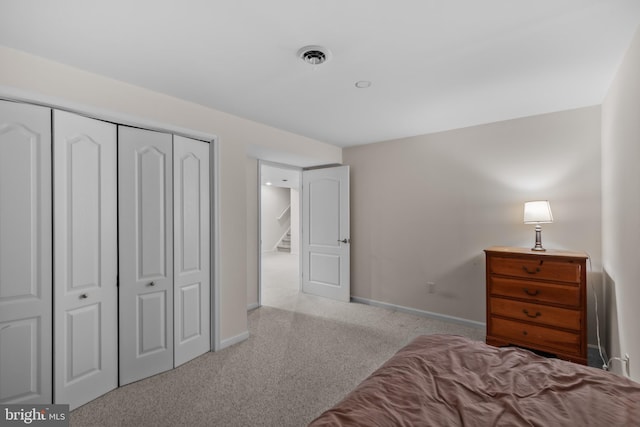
[[191, 251], [85, 258], [25, 254], [146, 253]]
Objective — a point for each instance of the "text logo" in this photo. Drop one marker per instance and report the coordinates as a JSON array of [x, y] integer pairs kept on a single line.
[[34, 415]]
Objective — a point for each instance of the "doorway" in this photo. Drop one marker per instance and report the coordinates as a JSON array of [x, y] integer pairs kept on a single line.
[[279, 206]]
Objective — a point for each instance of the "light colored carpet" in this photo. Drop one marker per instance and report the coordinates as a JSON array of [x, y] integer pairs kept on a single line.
[[280, 279], [303, 355]]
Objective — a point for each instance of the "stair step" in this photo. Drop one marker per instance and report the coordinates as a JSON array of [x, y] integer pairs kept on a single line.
[[285, 243]]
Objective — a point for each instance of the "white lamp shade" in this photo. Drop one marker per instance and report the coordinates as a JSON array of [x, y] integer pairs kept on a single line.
[[537, 212]]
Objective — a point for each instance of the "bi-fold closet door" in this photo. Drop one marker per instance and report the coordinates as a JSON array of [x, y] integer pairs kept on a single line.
[[78, 278], [191, 255], [25, 254], [164, 251], [164, 238], [85, 258]]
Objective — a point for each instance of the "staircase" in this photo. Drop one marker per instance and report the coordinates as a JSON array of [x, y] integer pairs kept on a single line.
[[285, 243]]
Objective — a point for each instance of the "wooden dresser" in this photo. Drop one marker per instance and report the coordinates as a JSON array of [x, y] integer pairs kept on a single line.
[[538, 300]]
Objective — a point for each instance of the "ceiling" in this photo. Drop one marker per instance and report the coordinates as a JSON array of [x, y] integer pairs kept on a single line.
[[279, 176], [433, 64]]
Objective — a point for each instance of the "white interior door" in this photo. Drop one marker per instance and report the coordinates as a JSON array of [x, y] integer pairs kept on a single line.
[[85, 258], [325, 233], [25, 254], [146, 253], [191, 250]]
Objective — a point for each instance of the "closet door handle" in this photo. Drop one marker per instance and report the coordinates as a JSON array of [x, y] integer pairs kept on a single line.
[[84, 296], [152, 283]]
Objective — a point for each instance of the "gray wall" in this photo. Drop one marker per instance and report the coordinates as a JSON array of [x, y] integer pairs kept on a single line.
[[621, 209], [424, 208]]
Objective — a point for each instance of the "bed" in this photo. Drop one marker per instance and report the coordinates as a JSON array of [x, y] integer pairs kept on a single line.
[[446, 380]]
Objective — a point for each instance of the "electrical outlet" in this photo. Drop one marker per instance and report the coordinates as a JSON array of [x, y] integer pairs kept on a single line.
[[431, 287]]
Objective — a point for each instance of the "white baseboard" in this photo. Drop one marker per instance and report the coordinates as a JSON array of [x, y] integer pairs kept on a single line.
[[234, 340], [422, 313], [253, 306]]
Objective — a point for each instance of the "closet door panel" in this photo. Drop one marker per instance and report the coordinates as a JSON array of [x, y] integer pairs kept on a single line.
[[25, 254], [191, 236], [85, 258], [19, 361], [151, 191], [146, 253]]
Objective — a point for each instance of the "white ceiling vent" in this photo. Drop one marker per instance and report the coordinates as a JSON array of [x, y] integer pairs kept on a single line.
[[314, 55]]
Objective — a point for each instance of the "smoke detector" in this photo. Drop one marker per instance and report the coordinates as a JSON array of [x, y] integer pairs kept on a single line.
[[314, 55]]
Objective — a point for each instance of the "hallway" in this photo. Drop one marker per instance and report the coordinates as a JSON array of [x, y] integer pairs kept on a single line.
[[280, 279]]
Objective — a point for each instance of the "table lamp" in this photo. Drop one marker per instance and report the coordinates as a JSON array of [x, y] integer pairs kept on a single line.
[[538, 212]]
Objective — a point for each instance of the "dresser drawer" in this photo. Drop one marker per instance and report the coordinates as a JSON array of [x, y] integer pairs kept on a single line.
[[568, 295], [542, 269], [538, 336], [538, 313]]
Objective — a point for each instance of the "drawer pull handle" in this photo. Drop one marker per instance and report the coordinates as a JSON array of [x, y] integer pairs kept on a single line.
[[537, 270], [533, 316], [531, 293]]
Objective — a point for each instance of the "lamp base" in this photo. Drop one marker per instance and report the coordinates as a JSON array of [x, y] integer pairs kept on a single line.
[[538, 247]]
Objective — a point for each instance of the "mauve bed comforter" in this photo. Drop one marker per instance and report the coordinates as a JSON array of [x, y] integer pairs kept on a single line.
[[444, 380]]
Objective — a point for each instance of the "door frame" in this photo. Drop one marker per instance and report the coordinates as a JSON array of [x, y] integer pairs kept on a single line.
[[27, 97], [214, 242], [259, 248]]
